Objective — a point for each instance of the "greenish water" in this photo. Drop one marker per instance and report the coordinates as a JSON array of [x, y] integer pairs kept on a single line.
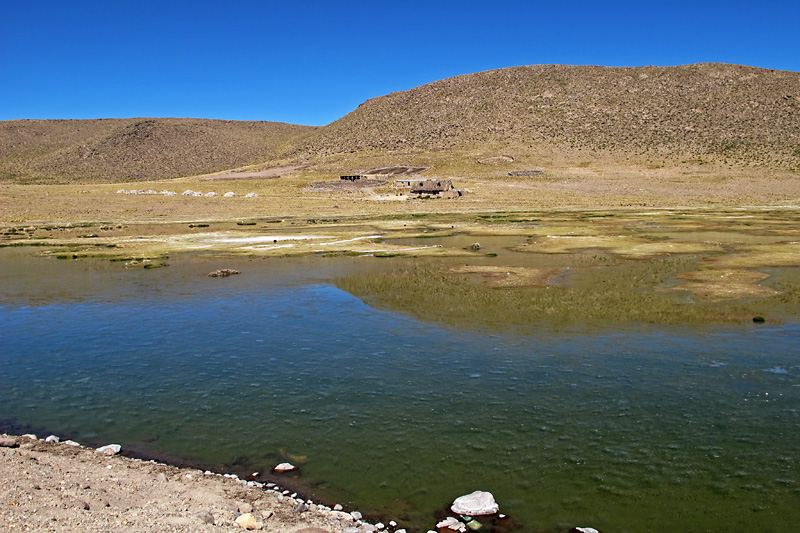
[[626, 428]]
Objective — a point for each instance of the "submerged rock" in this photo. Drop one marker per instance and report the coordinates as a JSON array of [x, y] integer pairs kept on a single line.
[[223, 273], [475, 504], [285, 467]]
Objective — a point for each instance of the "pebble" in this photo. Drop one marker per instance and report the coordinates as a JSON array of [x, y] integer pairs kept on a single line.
[[71, 443], [248, 521], [52, 438], [338, 507], [110, 449], [452, 523], [245, 507], [7, 442], [285, 467]]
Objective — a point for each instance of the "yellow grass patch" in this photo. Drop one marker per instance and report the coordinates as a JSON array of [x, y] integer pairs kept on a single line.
[[622, 245], [716, 285], [502, 276], [765, 255]]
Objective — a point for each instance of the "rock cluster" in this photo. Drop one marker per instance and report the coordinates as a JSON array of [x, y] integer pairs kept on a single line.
[[189, 192], [223, 273]]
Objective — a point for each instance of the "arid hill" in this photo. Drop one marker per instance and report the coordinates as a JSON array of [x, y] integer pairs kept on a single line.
[[739, 114], [722, 114], [115, 150]]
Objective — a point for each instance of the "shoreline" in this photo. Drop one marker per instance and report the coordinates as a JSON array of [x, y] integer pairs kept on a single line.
[[58, 486]]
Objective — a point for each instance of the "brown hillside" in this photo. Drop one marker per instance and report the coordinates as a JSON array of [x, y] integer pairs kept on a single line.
[[116, 150], [735, 114]]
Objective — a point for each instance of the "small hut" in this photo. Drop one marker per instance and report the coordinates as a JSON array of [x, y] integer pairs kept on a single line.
[[437, 188]]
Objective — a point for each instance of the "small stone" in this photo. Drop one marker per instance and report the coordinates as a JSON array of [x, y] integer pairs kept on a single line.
[[248, 521], [285, 467], [356, 515], [452, 523], [380, 526], [301, 507], [338, 507], [205, 516], [583, 530], [245, 507], [71, 443], [52, 438], [392, 524], [31, 436], [475, 504], [110, 449], [7, 442], [161, 477]]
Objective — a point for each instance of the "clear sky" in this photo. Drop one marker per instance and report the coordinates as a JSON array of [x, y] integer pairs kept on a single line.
[[311, 62]]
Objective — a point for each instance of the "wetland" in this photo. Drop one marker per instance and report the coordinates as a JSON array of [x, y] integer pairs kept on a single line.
[[586, 367]]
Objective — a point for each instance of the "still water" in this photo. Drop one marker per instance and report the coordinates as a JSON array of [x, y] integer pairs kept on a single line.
[[633, 428]]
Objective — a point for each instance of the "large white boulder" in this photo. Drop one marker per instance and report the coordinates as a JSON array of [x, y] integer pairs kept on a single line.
[[475, 504]]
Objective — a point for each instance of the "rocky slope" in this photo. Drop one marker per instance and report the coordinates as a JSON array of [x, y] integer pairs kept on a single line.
[[116, 150], [705, 113], [745, 115]]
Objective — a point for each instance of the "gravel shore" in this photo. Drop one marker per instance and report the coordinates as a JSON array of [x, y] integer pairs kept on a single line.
[[55, 486]]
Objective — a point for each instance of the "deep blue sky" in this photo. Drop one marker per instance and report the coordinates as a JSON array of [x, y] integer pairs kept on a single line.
[[311, 62]]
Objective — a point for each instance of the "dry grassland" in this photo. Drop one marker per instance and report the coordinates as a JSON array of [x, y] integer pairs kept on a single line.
[[735, 225]]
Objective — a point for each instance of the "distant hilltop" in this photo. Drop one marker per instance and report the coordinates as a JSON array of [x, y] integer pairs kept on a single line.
[[714, 113]]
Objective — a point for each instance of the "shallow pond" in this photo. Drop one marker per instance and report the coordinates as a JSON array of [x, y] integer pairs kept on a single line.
[[631, 427]]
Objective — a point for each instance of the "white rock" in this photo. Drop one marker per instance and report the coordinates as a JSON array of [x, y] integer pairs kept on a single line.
[[30, 436], [356, 515], [52, 438], [392, 524], [338, 507], [212, 193], [251, 195], [188, 192], [110, 449], [71, 443], [285, 467], [229, 194], [586, 530], [452, 523], [475, 504]]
